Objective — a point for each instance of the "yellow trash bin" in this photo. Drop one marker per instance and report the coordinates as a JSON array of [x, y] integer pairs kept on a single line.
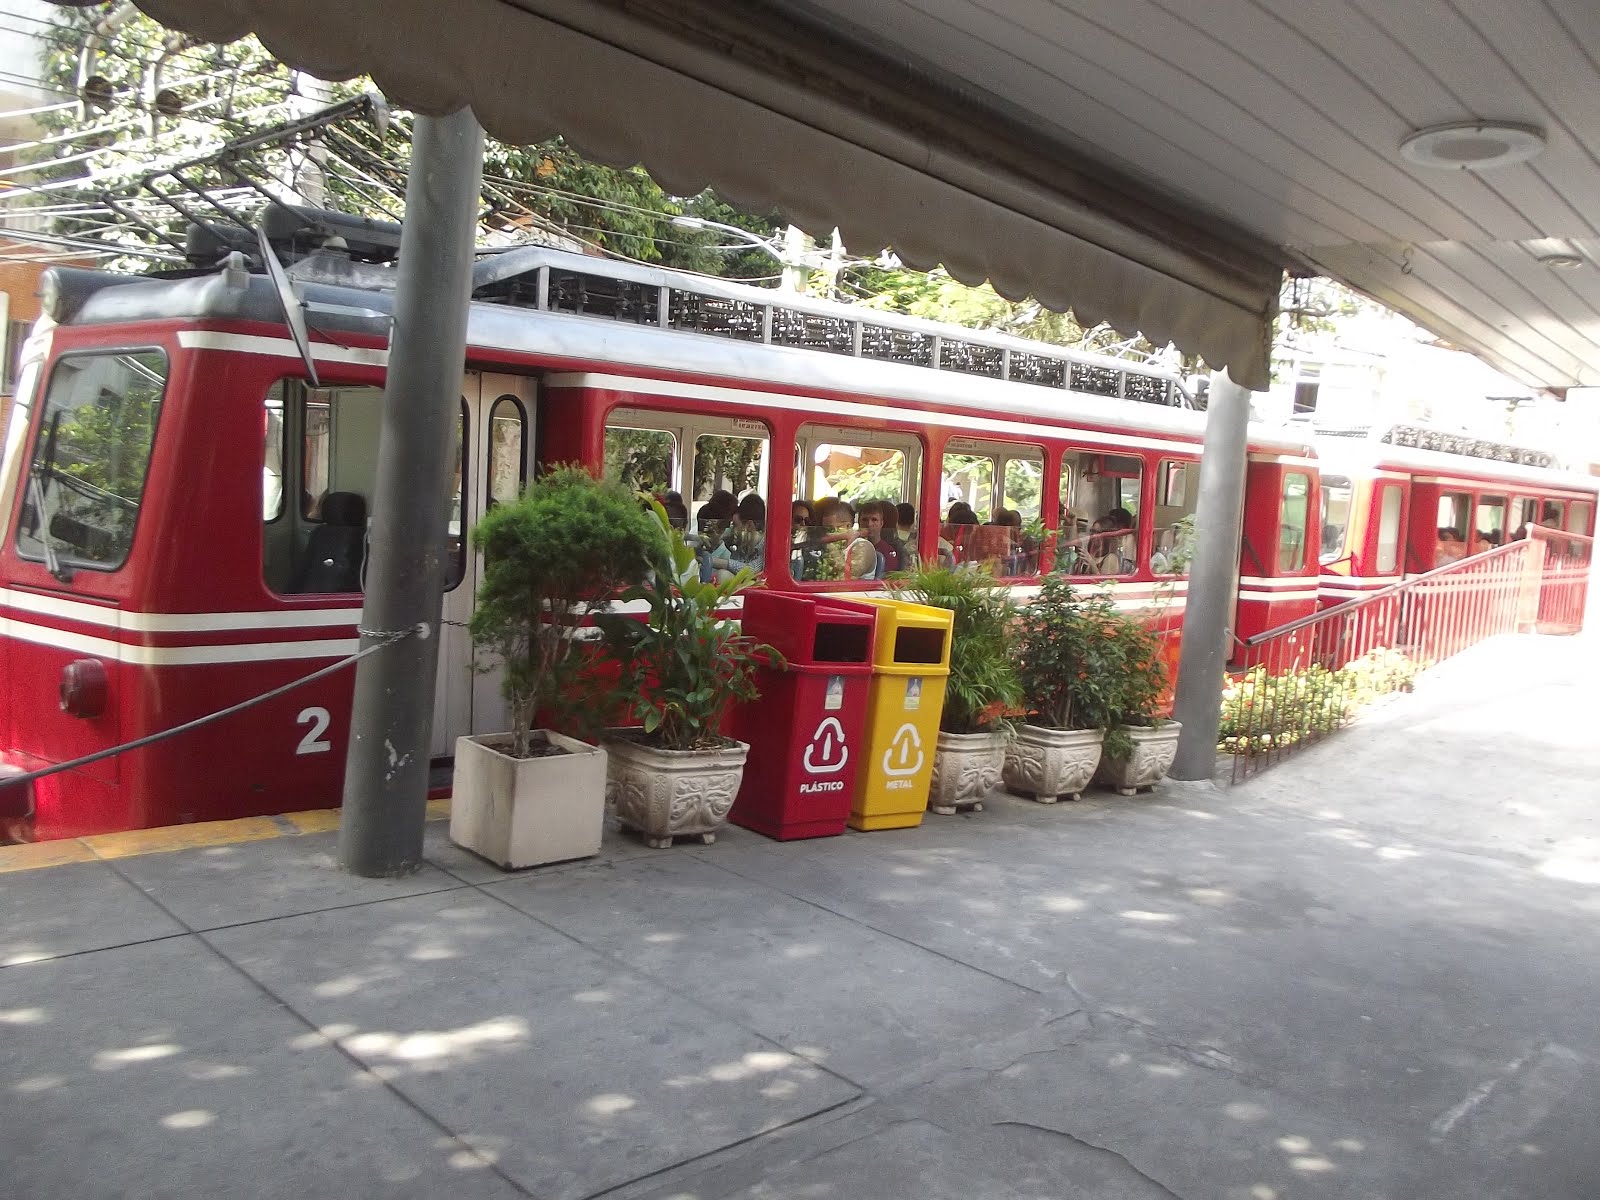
[[910, 667]]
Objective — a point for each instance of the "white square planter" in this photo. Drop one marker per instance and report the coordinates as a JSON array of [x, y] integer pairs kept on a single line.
[[1046, 764], [1154, 748], [672, 793], [966, 769], [523, 812]]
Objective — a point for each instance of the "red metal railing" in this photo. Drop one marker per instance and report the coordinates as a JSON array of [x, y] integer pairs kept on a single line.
[[1296, 684]]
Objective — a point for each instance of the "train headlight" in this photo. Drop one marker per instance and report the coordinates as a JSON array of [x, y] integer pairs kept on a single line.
[[83, 688]]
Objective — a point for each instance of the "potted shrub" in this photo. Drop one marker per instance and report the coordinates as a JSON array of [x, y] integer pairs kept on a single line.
[[982, 689], [552, 559], [1069, 674], [1140, 742], [680, 667]]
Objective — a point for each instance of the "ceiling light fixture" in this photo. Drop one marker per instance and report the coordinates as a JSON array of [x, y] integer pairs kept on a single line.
[[1562, 262], [1473, 145]]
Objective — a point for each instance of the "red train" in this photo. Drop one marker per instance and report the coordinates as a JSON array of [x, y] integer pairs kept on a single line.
[[185, 508]]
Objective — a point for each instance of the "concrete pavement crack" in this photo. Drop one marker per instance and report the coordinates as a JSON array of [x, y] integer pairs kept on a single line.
[[1098, 1149]]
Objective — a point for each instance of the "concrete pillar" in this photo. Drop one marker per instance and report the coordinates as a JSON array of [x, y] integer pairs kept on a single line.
[[1213, 578], [386, 768]]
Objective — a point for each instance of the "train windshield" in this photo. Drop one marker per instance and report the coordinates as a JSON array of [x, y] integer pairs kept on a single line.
[[91, 454]]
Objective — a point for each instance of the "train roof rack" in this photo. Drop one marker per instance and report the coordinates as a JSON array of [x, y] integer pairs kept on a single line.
[[559, 281], [1419, 437]]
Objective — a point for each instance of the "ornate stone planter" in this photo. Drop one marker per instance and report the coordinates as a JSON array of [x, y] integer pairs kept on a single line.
[[523, 812], [671, 793], [966, 768], [1046, 764], [1153, 751]]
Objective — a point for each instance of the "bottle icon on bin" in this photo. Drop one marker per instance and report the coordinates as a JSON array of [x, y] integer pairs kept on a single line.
[[827, 752], [904, 755]]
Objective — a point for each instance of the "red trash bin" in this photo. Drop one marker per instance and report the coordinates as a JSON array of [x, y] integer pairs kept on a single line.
[[806, 731]]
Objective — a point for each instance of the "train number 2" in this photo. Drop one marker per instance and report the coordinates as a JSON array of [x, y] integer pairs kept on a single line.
[[314, 742]]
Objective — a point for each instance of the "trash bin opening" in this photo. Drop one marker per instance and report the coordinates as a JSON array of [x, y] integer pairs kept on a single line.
[[919, 645], [841, 644]]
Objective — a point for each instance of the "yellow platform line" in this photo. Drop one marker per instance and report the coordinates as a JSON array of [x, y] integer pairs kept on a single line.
[[33, 856]]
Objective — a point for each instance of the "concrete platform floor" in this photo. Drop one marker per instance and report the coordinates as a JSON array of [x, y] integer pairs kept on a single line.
[[1369, 973]]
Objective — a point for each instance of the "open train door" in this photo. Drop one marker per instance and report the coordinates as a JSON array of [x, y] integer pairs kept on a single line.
[[495, 455]]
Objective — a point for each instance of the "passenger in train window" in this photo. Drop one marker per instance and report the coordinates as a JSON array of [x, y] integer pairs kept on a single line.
[[956, 533], [877, 516], [1110, 542], [902, 531], [844, 554], [906, 519], [745, 544], [799, 516], [677, 510], [716, 514], [1450, 549]]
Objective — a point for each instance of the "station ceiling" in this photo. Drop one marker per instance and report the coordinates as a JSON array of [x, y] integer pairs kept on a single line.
[[1152, 163]]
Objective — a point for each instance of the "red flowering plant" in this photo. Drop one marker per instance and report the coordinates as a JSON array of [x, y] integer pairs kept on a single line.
[[685, 662]]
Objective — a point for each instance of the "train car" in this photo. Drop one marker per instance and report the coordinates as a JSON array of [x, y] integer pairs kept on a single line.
[[185, 488], [1406, 500]]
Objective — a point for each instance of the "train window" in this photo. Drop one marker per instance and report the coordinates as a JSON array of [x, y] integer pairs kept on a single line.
[[508, 464], [90, 457], [640, 459], [1023, 492], [854, 466], [1177, 493], [732, 464], [1390, 504], [1454, 508], [1524, 512], [1579, 516], [1553, 514], [1489, 529], [1293, 514], [968, 479], [455, 568], [272, 456], [1335, 517], [1100, 513]]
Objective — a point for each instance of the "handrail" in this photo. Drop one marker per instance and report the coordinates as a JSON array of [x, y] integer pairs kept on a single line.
[[1294, 685]]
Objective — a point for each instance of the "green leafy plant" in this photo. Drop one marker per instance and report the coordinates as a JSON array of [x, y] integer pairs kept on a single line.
[[1262, 712], [1139, 691], [552, 559], [683, 664], [983, 689], [1068, 669]]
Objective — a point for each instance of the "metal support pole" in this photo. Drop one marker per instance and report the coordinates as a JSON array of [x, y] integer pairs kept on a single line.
[[386, 769], [1213, 578]]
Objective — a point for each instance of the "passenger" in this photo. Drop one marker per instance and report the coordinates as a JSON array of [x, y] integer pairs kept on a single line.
[[1451, 548], [906, 519], [799, 516], [717, 512], [1109, 543], [677, 511], [955, 533], [844, 555], [746, 542], [872, 528]]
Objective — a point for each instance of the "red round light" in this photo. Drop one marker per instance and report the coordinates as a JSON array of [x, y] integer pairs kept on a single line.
[[83, 688]]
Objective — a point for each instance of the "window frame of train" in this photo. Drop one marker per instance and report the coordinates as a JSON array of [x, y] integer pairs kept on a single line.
[[1072, 477], [810, 437], [1000, 457], [45, 454], [1286, 524], [1331, 484], [287, 529], [495, 452], [1395, 536], [1180, 477], [687, 430]]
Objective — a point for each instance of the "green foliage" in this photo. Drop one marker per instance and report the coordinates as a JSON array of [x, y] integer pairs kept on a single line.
[[733, 463], [871, 481], [1133, 650], [553, 558], [1070, 672], [683, 664], [1262, 712], [983, 687], [639, 459]]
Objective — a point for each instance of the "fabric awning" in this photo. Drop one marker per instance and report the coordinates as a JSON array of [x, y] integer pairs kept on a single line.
[[624, 91]]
